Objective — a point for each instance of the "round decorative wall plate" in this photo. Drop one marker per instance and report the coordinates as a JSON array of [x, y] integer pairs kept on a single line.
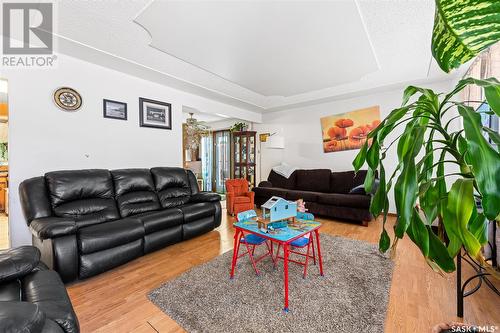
[[67, 99]]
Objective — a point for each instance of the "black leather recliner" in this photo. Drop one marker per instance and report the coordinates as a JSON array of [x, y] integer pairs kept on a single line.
[[32, 298], [88, 221]]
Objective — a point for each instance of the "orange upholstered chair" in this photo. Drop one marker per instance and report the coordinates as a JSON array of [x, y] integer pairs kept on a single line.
[[239, 198]]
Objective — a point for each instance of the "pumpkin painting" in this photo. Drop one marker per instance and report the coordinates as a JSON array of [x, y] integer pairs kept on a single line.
[[349, 130]]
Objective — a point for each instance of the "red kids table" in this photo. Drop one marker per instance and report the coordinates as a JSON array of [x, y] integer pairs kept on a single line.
[[283, 236]]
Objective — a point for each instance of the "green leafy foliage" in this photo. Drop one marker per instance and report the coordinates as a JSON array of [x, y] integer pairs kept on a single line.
[[484, 160], [462, 29], [421, 194]]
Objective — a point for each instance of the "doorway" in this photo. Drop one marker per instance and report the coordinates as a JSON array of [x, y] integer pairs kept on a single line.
[[4, 166]]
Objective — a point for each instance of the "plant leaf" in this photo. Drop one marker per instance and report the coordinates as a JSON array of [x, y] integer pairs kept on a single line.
[[370, 178], [460, 204], [491, 88], [418, 233], [478, 225], [485, 162], [380, 198], [373, 155], [360, 158], [384, 242], [406, 187], [429, 202], [494, 136], [439, 254], [462, 29]]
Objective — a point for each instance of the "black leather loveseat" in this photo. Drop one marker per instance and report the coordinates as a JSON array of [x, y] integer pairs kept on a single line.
[[33, 299], [331, 194], [89, 221]]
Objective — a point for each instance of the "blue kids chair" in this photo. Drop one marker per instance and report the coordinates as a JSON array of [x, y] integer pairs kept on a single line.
[[301, 243], [251, 241]]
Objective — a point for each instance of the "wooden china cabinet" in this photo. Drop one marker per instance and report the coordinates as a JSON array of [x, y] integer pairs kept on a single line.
[[243, 153]]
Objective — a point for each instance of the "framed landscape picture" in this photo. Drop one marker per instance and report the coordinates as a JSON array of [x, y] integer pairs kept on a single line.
[[155, 114], [114, 109], [346, 131]]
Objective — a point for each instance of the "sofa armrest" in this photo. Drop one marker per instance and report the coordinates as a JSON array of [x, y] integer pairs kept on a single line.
[[21, 317], [205, 197], [265, 183], [251, 195], [52, 227], [18, 262]]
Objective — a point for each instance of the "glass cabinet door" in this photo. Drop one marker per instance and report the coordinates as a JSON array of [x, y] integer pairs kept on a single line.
[[237, 152], [251, 149], [244, 149]]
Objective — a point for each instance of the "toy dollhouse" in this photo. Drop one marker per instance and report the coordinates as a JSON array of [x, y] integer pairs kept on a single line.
[[276, 212]]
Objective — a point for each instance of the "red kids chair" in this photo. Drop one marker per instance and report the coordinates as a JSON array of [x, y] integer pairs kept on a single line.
[[251, 241], [239, 198], [301, 243]]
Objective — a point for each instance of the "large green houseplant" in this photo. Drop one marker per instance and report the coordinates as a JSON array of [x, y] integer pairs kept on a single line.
[[421, 186]]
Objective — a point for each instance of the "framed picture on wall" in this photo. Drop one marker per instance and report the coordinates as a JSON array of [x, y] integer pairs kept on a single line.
[[114, 110], [155, 114]]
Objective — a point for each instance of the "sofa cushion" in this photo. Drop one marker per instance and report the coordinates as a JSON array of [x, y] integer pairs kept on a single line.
[[18, 262], [316, 180], [87, 196], [90, 211], [345, 200], [343, 182], [281, 182], [159, 220], [172, 185], [196, 211], [135, 191], [268, 192], [241, 199], [110, 234], [47, 291], [137, 202], [73, 185], [307, 196]]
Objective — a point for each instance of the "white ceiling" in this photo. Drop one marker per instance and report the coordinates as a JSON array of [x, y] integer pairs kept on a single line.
[[260, 55], [200, 115], [272, 48]]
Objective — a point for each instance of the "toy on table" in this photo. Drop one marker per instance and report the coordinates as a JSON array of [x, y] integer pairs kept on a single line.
[[301, 206], [276, 213]]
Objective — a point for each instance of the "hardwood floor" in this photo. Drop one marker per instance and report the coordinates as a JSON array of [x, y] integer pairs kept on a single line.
[[116, 300]]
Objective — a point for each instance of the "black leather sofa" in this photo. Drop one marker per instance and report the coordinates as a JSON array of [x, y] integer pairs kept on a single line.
[[32, 298], [331, 194], [88, 221]]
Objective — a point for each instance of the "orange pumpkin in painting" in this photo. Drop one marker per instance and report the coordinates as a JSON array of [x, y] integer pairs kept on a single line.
[[344, 122], [337, 133]]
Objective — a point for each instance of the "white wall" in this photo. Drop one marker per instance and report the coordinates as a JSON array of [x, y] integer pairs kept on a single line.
[[301, 129], [43, 138]]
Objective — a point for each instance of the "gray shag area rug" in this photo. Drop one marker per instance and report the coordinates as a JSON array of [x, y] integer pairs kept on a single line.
[[351, 297]]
